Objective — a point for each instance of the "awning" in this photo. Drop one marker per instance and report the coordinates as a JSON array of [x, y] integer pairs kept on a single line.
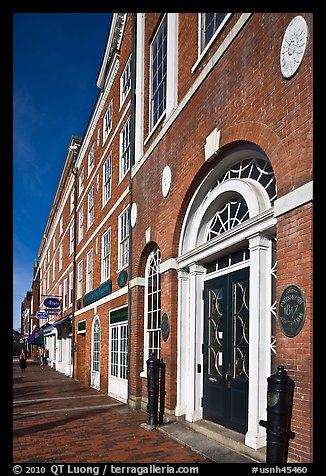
[[39, 340], [64, 327]]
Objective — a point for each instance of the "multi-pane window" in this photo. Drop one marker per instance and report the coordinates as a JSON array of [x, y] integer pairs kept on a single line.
[[106, 255], [71, 287], [153, 305], [107, 122], [53, 269], [65, 294], [90, 207], [210, 23], [119, 351], [80, 280], [158, 72], [80, 224], [107, 178], [89, 271], [60, 258], [60, 293], [124, 239], [81, 181], [125, 81], [91, 159], [72, 238], [61, 226], [72, 201], [96, 345], [125, 149]]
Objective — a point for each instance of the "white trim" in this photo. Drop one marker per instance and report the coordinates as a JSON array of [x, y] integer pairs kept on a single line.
[[139, 89], [103, 300], [172, 63], [294, 199], [169, 264], [137, 281]]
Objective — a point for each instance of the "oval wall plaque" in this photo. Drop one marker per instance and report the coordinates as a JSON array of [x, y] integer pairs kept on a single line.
[[122, 279], [292, 310], [165, 327]]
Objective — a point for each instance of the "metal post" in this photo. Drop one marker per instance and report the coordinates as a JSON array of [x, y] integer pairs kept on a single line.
[[153, 366]]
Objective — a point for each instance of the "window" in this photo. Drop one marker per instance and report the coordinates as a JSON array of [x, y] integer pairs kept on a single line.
[[153, 305], [81, 181], [89, 271], [107, 122], [125, 149], [124, 239], [53, 270], [96, 357], [80, 224], [53, 242], [210, 24], [71, 287], [125, 82], [72, 201], [61, 226], [60, 293], [80, 280], [107, 177], [65, 294], [158, 73], [106, 245], [60, 258], [91, 159], [90, 207], [72, 238], [119, 351]]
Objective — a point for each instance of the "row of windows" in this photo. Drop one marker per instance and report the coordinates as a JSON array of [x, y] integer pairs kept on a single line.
[[123, 257]]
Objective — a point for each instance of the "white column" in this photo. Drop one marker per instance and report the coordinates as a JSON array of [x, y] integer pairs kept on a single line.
[[259, 336], [195, 341], [139, 112], [183, 342]]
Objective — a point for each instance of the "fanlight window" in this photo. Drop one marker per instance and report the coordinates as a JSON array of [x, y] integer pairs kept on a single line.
[[235, 211], [232, 213]]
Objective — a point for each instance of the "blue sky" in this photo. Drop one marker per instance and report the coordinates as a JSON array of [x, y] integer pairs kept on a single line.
[[56, 59]]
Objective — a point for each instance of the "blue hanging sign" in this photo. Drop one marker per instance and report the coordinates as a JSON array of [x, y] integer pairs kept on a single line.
[[52, 302]]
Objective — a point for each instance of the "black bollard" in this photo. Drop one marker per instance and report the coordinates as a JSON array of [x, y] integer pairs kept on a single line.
[[153, 366], [279, 413]]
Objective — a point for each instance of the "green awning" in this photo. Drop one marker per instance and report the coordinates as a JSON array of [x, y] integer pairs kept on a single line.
[[38, 341]]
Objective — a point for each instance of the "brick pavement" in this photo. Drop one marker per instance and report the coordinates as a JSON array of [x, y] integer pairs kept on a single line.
[[59, 420]]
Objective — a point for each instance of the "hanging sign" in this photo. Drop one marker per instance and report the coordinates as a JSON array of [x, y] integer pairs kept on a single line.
[[52, 302], [41, 315], [292, 310]]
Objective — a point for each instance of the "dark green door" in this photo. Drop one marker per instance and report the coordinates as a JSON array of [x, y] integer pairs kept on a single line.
[[226, 350]]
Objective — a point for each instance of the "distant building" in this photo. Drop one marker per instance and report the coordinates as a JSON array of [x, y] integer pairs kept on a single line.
[[182, 223]]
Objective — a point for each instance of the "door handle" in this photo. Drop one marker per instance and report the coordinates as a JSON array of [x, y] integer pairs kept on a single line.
[[213, 379], [228, 376]]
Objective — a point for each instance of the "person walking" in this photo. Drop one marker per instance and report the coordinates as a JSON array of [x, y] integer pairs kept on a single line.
[[22, 360], [41, 354]]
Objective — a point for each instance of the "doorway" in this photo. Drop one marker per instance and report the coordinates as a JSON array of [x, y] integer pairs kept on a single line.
[[226, 350]]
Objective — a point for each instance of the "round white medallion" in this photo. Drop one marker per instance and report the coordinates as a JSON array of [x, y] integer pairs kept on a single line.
[[293, 46], [166, 180], [133, 215]]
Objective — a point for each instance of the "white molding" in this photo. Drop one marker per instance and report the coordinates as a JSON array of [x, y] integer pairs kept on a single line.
[[294, 199], [212, 143], [103, 300], [137, 281], [169, 264]]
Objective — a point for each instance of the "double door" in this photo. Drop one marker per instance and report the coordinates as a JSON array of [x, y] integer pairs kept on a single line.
[[226, 350]]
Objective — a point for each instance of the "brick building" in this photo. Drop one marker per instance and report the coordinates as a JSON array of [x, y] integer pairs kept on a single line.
[[193, 203]]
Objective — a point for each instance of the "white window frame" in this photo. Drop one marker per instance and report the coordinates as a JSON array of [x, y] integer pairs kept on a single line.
[[89, 271], [91, 159], [71, 238], [125, 149], [152, 124], [107, 179], [125, 82], [123, 238], [61, 225], [201, 48], [80, 223], [72, 201], [146, 309], [53, 269], [90, 207], [79, 279], [106, 256], [107, 121], [65, 293], [53, 243], [81, 181], [60, 257], [71, 288], [60, 294], [96, 352]]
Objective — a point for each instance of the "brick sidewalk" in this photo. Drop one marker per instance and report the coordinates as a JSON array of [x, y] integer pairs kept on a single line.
[[58, 420]]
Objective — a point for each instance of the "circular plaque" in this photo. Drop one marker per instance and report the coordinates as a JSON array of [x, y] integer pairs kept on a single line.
[[293, 46], [165, 327], [133, 215], [122, 278], [166, 180], [292, 310]]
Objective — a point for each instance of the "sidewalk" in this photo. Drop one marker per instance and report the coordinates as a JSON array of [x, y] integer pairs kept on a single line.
[[58, 420]]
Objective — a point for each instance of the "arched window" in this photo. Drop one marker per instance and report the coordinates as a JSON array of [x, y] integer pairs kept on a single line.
[[96, 357], [152, 305]]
